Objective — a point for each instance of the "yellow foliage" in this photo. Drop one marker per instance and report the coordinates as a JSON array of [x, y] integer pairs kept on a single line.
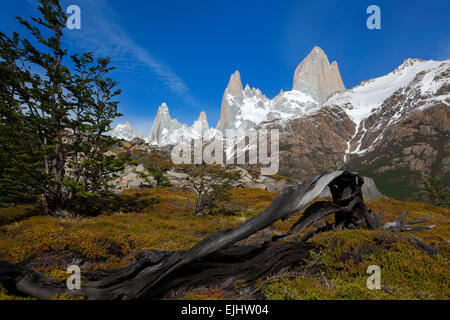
[[66, 296], [16, 213], [343, 258], [252, 197], [111, 240], [5, 296], [205, 294]]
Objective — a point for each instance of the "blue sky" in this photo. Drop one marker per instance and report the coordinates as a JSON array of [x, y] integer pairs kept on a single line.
[[183, 52]]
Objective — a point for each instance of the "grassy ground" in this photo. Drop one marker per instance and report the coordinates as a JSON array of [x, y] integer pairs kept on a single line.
[[336, 270]]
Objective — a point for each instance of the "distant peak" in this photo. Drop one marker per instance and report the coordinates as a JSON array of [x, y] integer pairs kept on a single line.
[[236, 74], [408, 62], [317, 77], [411, 61], [163, 107], [235, 84], [317, 50], [202, 116]]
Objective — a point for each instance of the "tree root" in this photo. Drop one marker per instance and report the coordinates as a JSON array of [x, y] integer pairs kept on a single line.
[[217, 259]]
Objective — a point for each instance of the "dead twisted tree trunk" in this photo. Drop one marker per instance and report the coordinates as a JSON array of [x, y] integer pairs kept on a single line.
[[217, 259]]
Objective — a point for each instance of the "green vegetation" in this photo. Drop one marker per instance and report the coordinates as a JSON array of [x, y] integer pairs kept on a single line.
[[156, 165], [337, 270], [17, 213], [111, 240], [54, 119], [434, 191], [397, 183], [391, 172], [207, 185], [164, 221], [56, 165]]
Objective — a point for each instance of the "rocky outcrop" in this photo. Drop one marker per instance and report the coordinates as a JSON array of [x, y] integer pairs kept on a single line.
[[313, 144], [369, 190], [139, 151], [201, 125], [163, 124], [393, 128], [228, 110], [126, 132], [317, 77]]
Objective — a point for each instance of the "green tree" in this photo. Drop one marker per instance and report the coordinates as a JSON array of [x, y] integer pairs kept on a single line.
[[54, 118], [156, 165], [434, 191], [207, 185]]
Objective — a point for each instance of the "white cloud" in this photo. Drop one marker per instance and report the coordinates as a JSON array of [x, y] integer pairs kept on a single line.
[[102, 34]]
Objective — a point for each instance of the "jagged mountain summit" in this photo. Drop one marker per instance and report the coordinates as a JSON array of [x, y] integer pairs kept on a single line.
[[245, 108], [126, 132], [167, 131], [317, 77], [394, 127], [201, 125], [317, 84], [314, 81], [163, 125]]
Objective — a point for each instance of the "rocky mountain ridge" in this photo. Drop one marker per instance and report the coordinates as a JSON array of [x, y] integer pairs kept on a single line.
[[244, 108], [317, 77], [392, 128]]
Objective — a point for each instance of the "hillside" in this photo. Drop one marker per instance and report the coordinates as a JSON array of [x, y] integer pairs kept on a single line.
[[326, 190], [394, 128], [160, 220]]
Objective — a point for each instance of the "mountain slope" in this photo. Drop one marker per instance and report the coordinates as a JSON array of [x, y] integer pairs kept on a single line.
[[314, 80], [126, 132], [167, 131], [393, 128], [407, 134]]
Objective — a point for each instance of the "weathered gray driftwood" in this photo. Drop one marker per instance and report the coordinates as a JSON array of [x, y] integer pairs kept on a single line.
[[217, 258]]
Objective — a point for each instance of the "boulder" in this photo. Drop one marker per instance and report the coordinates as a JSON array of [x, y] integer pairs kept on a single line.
[[256, 185], [137, 141], [369, 190]]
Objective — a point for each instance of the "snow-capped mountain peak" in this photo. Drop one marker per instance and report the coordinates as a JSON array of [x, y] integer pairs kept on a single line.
[[378, 104], [163, 125], [372, 106], [243, 109], [360, 101], [125, 131], [314, 80], [201, 125], [317, 77]]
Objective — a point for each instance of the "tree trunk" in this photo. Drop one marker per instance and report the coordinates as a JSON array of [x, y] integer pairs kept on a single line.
[[217, 259]]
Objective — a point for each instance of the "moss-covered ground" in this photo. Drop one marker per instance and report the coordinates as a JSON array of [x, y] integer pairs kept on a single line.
[[162, 221]]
